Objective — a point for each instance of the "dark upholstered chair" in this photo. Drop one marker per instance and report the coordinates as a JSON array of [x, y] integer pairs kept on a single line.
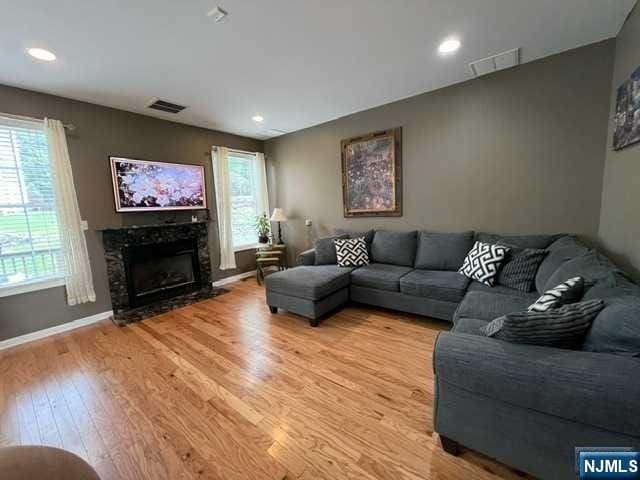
[[34, 461]]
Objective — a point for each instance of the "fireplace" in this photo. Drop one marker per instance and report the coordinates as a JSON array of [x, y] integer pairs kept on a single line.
[[156, 268], [156, 272]]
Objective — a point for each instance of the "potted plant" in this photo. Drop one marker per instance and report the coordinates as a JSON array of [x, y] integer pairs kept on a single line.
[[263, 228]]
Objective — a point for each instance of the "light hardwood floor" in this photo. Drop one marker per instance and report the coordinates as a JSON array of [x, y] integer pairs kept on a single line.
[[224, 390]]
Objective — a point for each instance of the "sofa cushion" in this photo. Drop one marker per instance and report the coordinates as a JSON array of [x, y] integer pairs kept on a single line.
[[487, 306], [566, 241], [471, 326], [481, 287], [522, 241], [394, 248], [616, 329], [435, 284], [563, 327], [442, 251], [560, 251], [367, 234], [379, 275], [309, 282], [326, 250], [613, 286], [587, 266]]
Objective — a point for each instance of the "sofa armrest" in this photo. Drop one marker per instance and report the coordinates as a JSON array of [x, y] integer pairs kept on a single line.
[[587, 387], [308, 257]]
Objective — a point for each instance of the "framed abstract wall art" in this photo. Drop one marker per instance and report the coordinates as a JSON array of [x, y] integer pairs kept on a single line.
[[141, 185], [372, 174], [627, 119]]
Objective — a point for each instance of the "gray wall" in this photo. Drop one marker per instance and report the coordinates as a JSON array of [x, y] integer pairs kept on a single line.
[[102, 132], [518, 151], [620, 217]]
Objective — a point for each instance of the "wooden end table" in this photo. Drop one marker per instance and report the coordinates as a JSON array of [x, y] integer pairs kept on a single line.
[[270, 256]]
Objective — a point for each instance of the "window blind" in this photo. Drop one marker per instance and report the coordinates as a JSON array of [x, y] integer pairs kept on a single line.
[[244, 198], [29, 233]]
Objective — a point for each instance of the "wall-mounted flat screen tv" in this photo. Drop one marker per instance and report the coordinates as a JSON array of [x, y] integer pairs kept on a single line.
[[141, 185]]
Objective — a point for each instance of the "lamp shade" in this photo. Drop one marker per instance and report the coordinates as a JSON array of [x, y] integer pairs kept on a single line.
[[278, 215]]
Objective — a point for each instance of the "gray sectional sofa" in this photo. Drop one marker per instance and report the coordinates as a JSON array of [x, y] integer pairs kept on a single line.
[[527, 406]]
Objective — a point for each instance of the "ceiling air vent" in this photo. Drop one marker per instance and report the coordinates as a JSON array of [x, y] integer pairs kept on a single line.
[[165, 106], [500, 61], [276, 131]]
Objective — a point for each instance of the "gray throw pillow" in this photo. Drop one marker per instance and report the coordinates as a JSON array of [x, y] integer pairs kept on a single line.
[[563, 327], [442, 251], [520, 267], [326, 250]]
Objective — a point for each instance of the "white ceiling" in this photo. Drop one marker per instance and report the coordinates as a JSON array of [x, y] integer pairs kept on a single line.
[[296, 62]]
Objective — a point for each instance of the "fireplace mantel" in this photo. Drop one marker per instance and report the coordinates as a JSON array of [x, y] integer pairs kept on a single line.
[[152, 225]]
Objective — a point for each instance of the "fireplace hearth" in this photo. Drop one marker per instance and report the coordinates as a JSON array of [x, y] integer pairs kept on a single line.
[[156, 268]]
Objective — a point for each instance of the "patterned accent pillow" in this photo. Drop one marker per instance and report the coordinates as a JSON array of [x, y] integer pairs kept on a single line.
[[567, 292], [351, 252], [519, 270], [483, 262], [563, 327]]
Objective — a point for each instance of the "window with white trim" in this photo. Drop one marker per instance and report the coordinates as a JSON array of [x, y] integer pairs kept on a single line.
[[29, 234], [245, 198]]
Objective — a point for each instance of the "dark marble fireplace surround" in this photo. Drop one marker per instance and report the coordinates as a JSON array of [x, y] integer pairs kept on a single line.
[[120, 243]]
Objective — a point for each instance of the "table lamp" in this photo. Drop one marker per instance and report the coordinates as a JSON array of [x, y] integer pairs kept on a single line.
[[279, 216]]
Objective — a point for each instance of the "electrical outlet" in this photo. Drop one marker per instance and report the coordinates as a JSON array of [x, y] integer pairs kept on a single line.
[[308, 222], [84, 225]]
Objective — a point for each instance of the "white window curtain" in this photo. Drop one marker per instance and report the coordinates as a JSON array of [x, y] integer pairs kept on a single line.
[[78, 278], [220, 157], [261, 176]]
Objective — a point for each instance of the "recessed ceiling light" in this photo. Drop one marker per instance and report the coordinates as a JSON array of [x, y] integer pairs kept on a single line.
[[42, 54], [257, 118], [450, 45]]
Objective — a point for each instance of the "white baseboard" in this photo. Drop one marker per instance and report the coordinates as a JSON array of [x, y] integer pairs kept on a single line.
[[233, 278], [47, 332]]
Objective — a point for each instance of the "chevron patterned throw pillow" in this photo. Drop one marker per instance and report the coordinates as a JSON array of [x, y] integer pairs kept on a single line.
[[569, 291], [483, 262], [351, 252]]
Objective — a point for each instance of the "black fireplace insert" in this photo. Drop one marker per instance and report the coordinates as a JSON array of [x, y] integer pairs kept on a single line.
[[162, 270]]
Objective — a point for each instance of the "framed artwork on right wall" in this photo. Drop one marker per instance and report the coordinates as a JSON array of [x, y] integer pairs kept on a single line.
[[372, 174], [627, 119]]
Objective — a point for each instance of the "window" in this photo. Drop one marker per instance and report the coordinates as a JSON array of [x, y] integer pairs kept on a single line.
[[29, 235], [246, 198]]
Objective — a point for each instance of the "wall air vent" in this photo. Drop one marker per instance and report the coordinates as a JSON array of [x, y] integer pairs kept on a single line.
[[165, 106], [491, 64]]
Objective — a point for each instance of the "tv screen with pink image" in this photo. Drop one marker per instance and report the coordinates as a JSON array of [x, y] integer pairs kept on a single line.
[[141, 185]]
